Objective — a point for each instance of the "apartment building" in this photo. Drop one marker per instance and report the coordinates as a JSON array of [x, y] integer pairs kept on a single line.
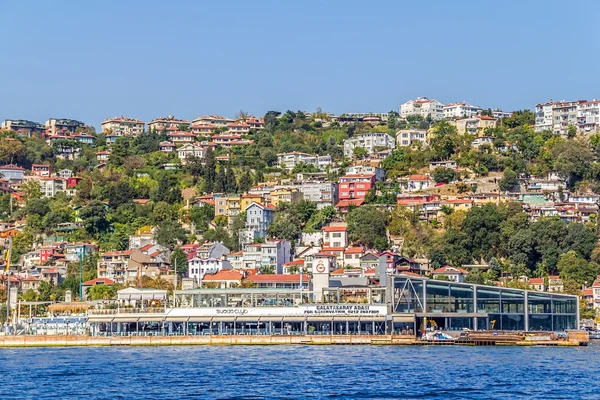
[[409, 137], [124, 125], [215, 120], [272, 253], [62, 126], [199, 267], [323, 193], [355, 186], [285, 195], [181, 137], [258, 219], [167, 123], [460, 110], [41, 170], [191, 150], [370, 142], [113, 265], [556, 116], [335, 235], [203, 129], [497, 113], [238, 128], [24, 128], [424, 107], [475, 125], [290, 160], [228, 205], [588, 116]]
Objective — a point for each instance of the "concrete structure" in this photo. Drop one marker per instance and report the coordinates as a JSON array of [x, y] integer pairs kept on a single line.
[[273, 253], [290, 160], [454, 274], [215, 120], [199, 267], [424, 107], [62, 126], [285, 195], [12, 173], [460, 110], [557, 116], [258, 219], [369, 141], [355, 186], [169, 123], [24, 128], [123, 126], [475, 125], [409, 137]]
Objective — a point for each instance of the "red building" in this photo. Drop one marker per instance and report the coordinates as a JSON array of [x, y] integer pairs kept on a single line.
[[355, 186]]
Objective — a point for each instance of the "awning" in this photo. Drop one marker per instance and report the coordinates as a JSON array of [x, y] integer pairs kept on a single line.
[[404, 318], [151, 319], [329, 319], [100, 319]]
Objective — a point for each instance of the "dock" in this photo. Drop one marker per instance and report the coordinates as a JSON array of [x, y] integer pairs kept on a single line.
[[576, 338]]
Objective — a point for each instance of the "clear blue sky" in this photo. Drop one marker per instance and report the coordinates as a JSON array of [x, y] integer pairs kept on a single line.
[[93, 59]]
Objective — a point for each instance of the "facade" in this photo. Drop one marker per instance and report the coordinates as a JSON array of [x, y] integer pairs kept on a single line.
[[557, 116], [41, 170], [290, 160], [460, 110], [12, 173], [475, 125], [355, 186], [62, 126], [285, 195], [369, 141], [273, 253], [409, 137], [199, 267], [124, 126], [166, 124], [497, 113], [424, 107], [452, 273], [280, 281], [23, 127], [323, 193], [588, 116], [191, 150], [181, 137], [258, 219], [215, 120], [335, 236]]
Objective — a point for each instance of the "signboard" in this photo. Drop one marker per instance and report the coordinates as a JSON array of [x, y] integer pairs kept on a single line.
[[321, 266], [303, 310]]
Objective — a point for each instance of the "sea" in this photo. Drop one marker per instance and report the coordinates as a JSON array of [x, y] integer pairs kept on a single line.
[[300, 372]]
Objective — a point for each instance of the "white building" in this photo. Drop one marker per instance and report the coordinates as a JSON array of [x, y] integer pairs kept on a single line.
[[369, 142], [424, 107], [407, 137], [273, 253], [497, 113], [124, 126], [588, 115], [557, 116], [322, 193], [460, 110], [290, 160], [191, 150], [198, 267]]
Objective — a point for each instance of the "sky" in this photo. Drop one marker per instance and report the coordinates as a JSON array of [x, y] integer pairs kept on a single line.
[[89, 60]]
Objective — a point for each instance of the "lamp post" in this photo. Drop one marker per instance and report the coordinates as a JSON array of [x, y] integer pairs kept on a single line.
[[81, 276]]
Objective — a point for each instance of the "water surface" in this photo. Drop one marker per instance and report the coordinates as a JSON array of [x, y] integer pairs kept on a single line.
[[295, 372]]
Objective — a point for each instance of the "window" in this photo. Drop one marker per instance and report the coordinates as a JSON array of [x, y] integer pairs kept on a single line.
[[336, 235]]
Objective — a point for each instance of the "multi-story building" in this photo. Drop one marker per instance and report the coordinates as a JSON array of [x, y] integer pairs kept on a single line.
[[191, 150], [167, 123], [460, 110], [370, 142], [556, 116], [230, 140], [280, 281], [474, 125], [258, 219], [424, 107], [181, 137], [285, 195], [41, 170], [408, 137], [23, 127], [588, 116], [272, 253], [78, 251], [113, 265], [12, 173], [228, 205], [290, 160], [215, 120], [203, 129], [323, 193], [166, 147], [355, 186], [198, 267], [62, 126], [335, 235], [238, 128], [497, 113], [366, 170], [124, 125]]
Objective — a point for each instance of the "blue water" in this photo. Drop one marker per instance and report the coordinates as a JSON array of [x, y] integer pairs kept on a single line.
[[282, 372]]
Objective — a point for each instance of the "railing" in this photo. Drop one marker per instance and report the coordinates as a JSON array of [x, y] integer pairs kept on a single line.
[[124, 310]]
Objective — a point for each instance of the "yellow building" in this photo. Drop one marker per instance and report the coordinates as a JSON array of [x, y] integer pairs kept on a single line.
[[459, 204], [249, 198], [284, 195], [228, 205], [475, 125]]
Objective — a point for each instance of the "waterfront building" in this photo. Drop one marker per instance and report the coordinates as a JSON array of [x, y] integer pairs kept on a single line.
[[371, 142], [123, 126], [423, 107], [199, 267]]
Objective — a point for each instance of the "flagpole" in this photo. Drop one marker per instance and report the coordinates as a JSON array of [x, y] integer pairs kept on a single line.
[[8, 255]]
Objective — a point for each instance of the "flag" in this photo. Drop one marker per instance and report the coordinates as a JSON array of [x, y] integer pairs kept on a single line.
[[7, 259]]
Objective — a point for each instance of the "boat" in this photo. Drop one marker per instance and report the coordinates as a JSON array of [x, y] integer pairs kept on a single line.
[[437, 337]]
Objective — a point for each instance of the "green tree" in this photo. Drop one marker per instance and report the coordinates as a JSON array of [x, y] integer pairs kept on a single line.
[[443, 174], [31, 189], [179, 261], [94, 219], [360, 152], [210, 173], [365, 225], [509, 180], [245, 182], [170, 233]]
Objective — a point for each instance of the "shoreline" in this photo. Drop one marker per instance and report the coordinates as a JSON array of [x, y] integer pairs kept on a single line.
[[258, 340]]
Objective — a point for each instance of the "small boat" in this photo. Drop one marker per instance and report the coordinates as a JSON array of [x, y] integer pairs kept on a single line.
[[437, 337], [594, 335]]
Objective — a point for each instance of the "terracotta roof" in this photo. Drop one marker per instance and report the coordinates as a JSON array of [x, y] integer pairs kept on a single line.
[[338, 228], [536, 281], [418, 178], [99, 281], [292, 263], [277, 278], [30, 279], [348, 203], [354, 250], [236, 253], [587, 292], [325, 254], [117, 253], [223, 276], [147, 247], [330, 249], [449, 270]]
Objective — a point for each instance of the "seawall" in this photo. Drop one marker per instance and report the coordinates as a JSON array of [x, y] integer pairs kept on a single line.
[[72, 340]]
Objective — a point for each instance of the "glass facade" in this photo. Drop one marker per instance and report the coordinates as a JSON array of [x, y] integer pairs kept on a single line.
[[455, 306]]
